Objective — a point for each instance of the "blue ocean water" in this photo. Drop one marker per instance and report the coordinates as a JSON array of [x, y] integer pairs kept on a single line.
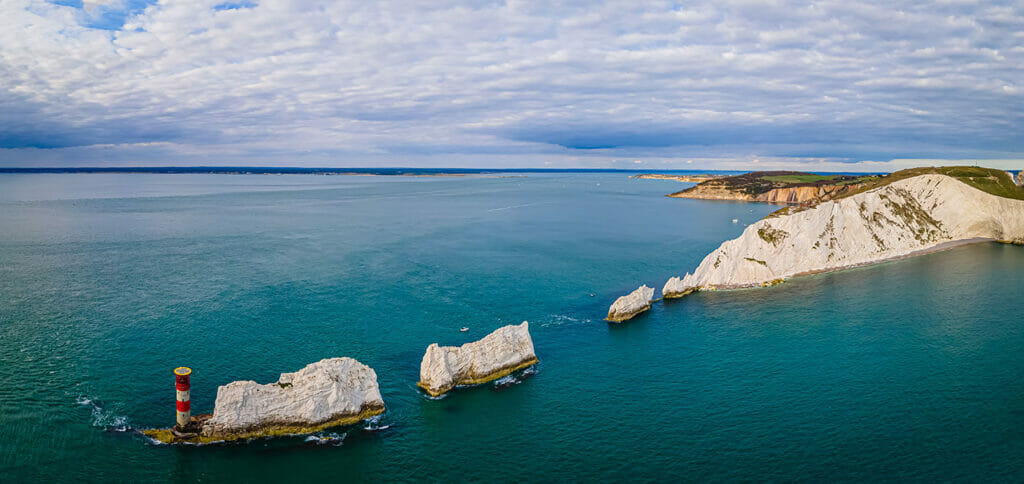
[[904, 370]]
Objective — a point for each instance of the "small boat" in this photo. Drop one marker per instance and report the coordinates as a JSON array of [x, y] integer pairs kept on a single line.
[[591, 294], [464, 329], [735, 220]]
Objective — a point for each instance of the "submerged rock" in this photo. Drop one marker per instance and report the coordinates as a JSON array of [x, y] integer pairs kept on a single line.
[[328, 393], [630, 305], [507, 349]]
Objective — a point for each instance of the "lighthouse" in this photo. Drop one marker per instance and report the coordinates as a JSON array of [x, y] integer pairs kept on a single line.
[[183, 385]]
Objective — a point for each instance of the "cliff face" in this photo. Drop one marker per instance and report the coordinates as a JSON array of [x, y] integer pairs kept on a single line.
[[805, 195], [330, 392], [505, 350], [792, 195], [907, 216], [1020, 178]]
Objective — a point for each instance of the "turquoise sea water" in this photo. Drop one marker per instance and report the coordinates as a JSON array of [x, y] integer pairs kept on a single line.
[[905, 370]]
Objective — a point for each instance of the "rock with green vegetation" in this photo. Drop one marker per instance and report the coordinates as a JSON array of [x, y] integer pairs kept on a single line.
[[906, 213], [328, 393], [504, 351], [628, 306], [791, 187]]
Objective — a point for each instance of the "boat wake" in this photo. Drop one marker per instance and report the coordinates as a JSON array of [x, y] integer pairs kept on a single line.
[[561, 320], [510, 207]]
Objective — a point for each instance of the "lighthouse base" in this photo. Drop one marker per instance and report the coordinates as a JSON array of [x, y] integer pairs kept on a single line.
[[181, 435]]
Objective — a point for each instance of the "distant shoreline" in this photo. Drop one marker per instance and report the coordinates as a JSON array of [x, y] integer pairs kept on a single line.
[[248, 170], [392, 171], [680, 178]]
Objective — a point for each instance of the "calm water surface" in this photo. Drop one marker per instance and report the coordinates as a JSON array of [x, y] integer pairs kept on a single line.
[[906, 370]]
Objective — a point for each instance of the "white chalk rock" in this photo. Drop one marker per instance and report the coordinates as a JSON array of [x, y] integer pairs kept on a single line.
[[330, 392], [907, 217], [674, 288], [505, 350], [631, 304]]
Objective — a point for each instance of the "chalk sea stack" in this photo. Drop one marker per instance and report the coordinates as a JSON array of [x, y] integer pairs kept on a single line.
[[628, 306], [328, 393], [504, 351], [907, 213], [674, 288]]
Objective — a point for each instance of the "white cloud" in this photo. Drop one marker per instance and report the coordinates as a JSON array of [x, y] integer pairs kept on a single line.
[[357, 83]]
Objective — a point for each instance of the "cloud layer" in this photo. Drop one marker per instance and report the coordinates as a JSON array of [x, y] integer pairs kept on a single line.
[[511, 83]]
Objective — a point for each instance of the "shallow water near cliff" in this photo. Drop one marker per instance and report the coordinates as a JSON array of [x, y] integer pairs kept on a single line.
[[909, 369]]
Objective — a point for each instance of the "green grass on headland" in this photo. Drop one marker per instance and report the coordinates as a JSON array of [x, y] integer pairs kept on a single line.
[[988, 180], [758, 182], [860, 179], [801, 178]]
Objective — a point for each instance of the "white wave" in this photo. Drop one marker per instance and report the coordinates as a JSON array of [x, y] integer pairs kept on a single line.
[[506, 380], [515, 378], [373, 424], [328, 438], [103, 418]]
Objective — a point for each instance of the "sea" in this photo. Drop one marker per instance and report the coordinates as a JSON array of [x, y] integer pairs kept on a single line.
[[907, 370]]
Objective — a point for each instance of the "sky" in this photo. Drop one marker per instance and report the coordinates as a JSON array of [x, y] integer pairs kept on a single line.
[[830, 85]]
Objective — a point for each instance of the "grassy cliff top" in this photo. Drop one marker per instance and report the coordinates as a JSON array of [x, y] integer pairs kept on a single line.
[[988, 180], [758, 182]]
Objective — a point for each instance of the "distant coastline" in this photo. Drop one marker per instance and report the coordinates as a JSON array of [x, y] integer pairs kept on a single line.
[[397, 171], [681, 178]]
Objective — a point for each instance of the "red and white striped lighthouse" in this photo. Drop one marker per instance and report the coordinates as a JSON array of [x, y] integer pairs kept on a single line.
[[182, 385]]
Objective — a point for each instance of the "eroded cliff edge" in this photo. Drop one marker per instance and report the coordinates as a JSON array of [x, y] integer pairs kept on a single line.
[[904, 217]]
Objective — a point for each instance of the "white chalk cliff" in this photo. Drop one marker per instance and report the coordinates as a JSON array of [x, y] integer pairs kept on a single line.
[[330, 392], [908, 216], [505, 350], [631, 304]]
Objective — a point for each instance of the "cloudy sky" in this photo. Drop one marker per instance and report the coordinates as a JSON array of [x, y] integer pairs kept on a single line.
[[723, 84]]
